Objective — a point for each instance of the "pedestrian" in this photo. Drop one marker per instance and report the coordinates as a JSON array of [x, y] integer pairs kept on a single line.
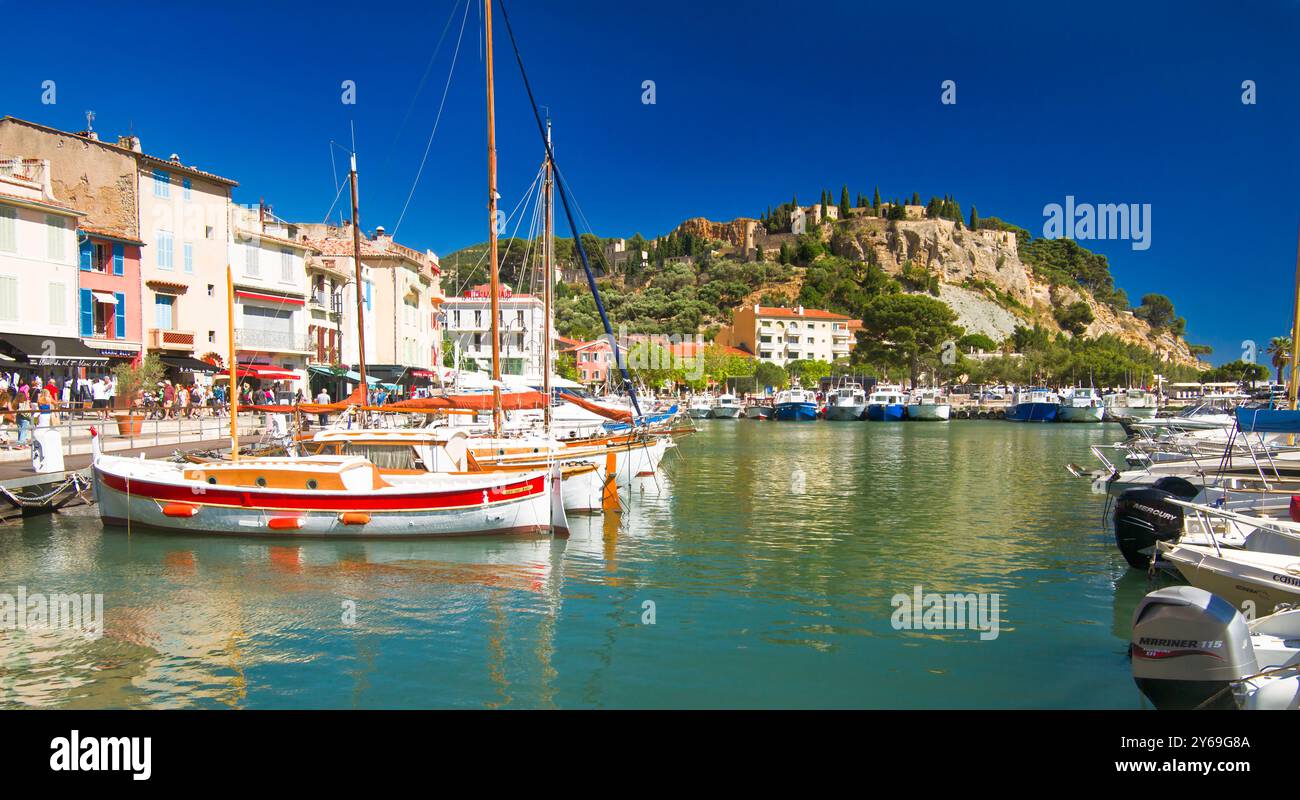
[[44, 404], [169, 399], [22, 407], [323, 398]]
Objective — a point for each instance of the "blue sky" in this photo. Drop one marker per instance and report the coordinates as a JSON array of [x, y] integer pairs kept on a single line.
[[756, 101]]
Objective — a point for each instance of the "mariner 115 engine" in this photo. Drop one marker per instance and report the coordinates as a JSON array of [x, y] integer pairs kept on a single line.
[[1188, 646], [1142, 518]]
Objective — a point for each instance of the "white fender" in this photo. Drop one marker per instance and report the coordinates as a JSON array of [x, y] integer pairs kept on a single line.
[[559, 520]]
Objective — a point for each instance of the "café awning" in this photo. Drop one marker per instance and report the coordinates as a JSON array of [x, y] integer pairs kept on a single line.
[[187, 364], [261, 372], [49, 351]]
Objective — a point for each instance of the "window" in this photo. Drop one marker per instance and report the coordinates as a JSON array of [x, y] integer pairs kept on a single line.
[[189, 257], [8, 237], [163, 306], [478, 340], [286, 265], [185, 187], [162, 183], [164, 250], [8, 298], [455, 316], [478, 318], [58, 304], [251, 267], [54, 225], [519, 317]]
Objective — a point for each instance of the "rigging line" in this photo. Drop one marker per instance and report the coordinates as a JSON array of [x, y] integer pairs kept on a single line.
[[568, 213], [438, 119], [425, 77], [527, 194]]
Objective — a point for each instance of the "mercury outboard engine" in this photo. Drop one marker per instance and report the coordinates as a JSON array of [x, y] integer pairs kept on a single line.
[[1142, 518], [1188, 646]]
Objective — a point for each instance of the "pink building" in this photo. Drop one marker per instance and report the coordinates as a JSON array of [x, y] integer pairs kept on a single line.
[[108, 302]]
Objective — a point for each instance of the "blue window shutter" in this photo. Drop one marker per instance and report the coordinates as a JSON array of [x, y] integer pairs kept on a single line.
[[119, 315], [119, 256], [87, 251], [368, 285], [87, 313]]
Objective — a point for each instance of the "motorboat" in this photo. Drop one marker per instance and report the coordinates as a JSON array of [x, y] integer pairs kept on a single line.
[[928, 404], [700, 407], [1192, 649], [1129, 404], [758, 410], [846, 402], [796, 405], [1035, 404], [1080, 404], [726, 406], [886, 404]]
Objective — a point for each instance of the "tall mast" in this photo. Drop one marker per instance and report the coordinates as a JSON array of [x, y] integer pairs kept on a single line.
[[233, 368], [495, 283], [550, 280], [356, 262], [1295, 338]]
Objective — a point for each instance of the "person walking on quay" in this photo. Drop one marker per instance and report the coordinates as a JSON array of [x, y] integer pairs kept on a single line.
[[20, 405], [322, 398], [169, 399]]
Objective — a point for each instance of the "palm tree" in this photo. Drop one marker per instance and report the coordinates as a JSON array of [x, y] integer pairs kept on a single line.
[[1280, 350]]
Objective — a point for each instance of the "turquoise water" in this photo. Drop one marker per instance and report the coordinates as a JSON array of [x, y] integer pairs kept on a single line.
[[770, 552]]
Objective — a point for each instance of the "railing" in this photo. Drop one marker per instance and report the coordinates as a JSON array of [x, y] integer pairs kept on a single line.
[[167, 339]]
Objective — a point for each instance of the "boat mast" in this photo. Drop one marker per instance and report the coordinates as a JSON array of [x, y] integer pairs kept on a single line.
[[356, 261], [550, 280], [1295, 338], [495, 282], [232, 368]]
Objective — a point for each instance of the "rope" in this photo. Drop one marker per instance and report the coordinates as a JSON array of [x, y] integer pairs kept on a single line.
[[75, 480]]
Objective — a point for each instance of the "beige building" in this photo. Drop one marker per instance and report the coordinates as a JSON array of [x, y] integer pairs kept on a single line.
[[270, 276], [401, 294], [782, 335]]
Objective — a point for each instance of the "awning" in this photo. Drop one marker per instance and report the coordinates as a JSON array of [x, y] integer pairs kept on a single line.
[[350, 376], [49, 351], [270, 298], [187, 364], [261, 372], [105, 297]]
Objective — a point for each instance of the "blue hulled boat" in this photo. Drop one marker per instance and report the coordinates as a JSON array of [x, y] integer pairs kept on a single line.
[[796, 404], [887, 404], [1034, 405]]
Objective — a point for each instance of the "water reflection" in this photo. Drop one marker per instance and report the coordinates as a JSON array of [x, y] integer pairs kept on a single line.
[[769, 553]]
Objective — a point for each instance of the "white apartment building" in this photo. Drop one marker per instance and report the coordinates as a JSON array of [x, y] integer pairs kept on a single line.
[[468, 321], [271, 290]]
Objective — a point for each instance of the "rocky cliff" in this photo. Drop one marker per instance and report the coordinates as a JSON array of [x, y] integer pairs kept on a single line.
[[984, 280]]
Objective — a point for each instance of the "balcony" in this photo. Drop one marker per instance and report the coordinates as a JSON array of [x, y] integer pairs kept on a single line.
[[276, 341], [166, 339]]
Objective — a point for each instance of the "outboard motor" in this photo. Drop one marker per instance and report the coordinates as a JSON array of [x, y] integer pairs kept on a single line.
[[1189, 646], [1142, 518]]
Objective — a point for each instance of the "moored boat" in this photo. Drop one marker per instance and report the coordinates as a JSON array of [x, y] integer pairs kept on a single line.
[[846, 402], [1034, 404], [928, 404], [796, 405], [700, 407], [886, 404], [1080, 404], [758, 411], [726, 406], [1129, 404]]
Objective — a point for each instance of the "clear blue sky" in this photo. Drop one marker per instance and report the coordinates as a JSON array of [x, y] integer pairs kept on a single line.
[[1132, 102]]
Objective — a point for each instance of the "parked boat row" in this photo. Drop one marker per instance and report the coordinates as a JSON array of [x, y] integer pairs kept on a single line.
[[1212, 500]]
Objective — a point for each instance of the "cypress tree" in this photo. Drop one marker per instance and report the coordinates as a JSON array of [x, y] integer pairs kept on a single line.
[[974, 218], [875, 200], [844, 202]]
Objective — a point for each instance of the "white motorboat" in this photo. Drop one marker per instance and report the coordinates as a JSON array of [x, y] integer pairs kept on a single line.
[[1080, 404], [846, 402], [1130, 404], [758, 410], [1192, 649], [700, 407], [928, 404], [726, 406]]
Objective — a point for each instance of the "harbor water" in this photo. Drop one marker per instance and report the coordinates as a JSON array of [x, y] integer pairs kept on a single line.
[[757, 570]]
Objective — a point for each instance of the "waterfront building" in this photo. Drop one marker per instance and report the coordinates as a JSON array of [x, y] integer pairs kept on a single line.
[[522, 325], [782, 335], [270, 278], [38, 273]]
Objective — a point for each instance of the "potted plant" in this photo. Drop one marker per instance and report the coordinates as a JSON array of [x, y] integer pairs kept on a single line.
[[131, 380]]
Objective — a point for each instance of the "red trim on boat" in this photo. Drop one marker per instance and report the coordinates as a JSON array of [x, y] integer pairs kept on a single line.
[[321, 501]]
